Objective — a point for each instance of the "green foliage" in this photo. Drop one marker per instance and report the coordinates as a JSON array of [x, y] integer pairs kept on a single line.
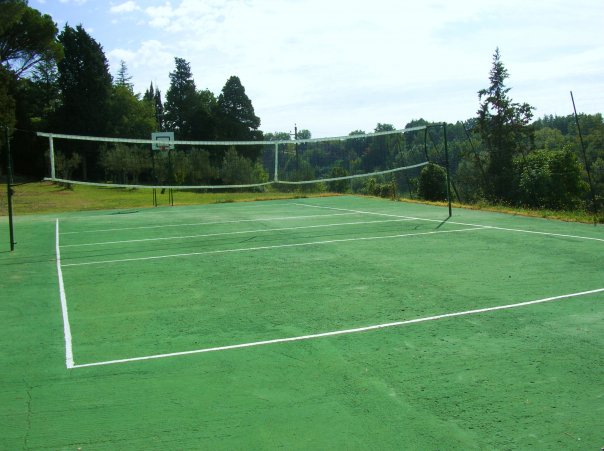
[[66, 165], [550, 139], [85, 84], [130, 117], [181, 100], [304, 134], [549, 179], [497, 162], [187, 112], [236, 113], [597, 170], [238, 170], [338, 186], [7, 100], [124, 164], [372, 187], [503, 128], [469, 180], [123, 79], [152, 96], [26, 37], [432, 183]]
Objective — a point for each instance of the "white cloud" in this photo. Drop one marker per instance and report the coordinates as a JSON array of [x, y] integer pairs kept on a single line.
[[126, 7], [378, 59], [150, 62]]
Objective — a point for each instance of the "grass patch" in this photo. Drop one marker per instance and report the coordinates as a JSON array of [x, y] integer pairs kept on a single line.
[[48, 197]]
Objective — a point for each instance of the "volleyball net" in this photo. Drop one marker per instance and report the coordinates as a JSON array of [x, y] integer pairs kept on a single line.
[[370, 163]]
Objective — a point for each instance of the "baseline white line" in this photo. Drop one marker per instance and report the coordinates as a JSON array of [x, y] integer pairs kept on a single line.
[[276, 246], [240, 232], [284, 218], [66, 327], [341, 332], [454, 222]]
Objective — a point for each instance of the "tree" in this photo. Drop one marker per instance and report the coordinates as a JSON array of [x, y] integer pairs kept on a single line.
[[304, 134], [187, 112], [433, 182], [153, 97], [159, 110], [85, 84], [26, 37], [123, 79], [205, 123], [180, 100], [375, 153], [237, 119], [237, 169], [338, 186], [45, 79], [7, 101], [503, 127], [131, 117], [549, 179]]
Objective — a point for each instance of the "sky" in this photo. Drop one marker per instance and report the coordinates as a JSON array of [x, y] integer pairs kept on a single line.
[[334, 66]]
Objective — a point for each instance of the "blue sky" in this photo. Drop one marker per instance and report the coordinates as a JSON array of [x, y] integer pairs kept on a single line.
[[334, 66]]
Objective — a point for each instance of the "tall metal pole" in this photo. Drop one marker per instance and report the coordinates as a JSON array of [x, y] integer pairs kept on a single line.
[[53, 173], [9, 190], [276, 176], [296, 147], [447, 168], [587, 168]]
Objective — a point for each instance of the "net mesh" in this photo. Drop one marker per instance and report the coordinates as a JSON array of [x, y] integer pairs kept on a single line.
[[389, 160]]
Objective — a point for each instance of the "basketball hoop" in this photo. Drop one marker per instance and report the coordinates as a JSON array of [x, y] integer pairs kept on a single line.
[[162, 141]]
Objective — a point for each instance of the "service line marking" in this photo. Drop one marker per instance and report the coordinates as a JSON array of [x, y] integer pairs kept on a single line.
[[453, 222], [275, 246], [340, 332], [237, 221], [63, 298], [240, 232]]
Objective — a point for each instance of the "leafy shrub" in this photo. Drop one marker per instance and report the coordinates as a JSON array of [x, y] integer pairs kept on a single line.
[[549, 179], [238, 170], [338, 186], [432, 183], [372, 187]]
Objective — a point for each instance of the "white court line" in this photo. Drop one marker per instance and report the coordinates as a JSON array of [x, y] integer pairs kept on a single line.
[[276, 246], [240, 232], [63, 297], [454, 222], [340, 332], [284, 218]]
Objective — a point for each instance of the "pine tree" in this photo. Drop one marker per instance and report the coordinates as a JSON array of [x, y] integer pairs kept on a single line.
[[123, 79], [179, 109], [149, 94], [503, 127], [159, 109], [237, 118], [85, 84]]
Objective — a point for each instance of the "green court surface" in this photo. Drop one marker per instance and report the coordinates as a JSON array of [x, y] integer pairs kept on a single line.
[[316, 323]]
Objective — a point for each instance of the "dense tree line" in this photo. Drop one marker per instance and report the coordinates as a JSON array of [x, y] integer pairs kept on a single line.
[[59, 81]]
